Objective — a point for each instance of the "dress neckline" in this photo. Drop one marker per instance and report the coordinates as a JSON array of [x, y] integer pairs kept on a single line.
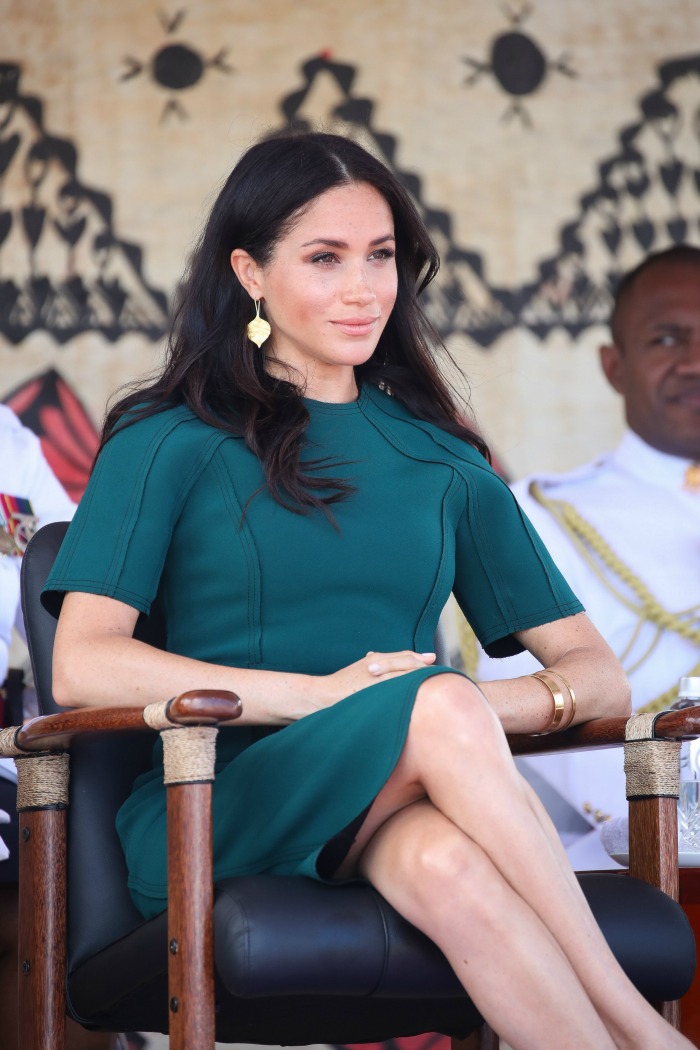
[[336, 407]]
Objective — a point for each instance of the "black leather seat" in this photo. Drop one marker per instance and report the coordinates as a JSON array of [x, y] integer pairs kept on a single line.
[[297, 962]]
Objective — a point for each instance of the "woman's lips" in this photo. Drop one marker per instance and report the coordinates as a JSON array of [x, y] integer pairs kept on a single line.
[[356, 325]]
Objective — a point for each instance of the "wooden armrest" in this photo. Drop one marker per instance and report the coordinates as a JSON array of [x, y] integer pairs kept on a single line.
[[599, 732], [213, 707], [607, 732], [56, 732]]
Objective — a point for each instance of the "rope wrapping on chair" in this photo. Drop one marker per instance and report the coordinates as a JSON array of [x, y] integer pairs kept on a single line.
[[156, 715], [42, 780], [8, 745], [189, 754], [651, 766]]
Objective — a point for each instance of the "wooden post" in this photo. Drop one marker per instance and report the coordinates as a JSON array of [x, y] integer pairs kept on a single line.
[[652, 821], [42, 929], [483, 1039], [190, 920], [653, 832]]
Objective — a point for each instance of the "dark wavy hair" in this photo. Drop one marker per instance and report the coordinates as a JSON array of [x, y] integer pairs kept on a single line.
[[214, 369]]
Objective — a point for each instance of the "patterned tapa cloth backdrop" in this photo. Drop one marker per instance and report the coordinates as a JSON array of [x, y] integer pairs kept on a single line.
[[549, 145]]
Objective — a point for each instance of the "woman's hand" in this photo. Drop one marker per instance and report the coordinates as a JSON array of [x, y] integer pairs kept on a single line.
[[372, 668]]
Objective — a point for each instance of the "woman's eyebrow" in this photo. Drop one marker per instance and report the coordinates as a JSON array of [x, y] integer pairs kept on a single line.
[[333, 243]]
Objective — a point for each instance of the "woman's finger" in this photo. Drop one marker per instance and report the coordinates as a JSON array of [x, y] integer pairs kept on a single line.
[[384, 663]]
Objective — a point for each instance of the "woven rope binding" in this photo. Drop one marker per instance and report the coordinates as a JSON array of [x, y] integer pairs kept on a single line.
[[8, 747], [651, 765], [156, 715], [42, 780], [189, 754]]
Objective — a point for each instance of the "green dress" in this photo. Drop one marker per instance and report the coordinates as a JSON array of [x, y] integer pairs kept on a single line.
[[175, 509]]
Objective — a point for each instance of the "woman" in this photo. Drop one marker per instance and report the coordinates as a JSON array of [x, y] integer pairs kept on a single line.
[[302, 505]]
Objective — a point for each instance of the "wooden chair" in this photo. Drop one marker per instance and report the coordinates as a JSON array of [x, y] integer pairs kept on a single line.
[[259, 959]]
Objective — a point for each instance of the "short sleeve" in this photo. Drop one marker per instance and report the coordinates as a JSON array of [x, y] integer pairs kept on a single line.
[[117, 542], [505, 580]]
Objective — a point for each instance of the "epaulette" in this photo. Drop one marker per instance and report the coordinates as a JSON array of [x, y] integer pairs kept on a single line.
[[550, 482]]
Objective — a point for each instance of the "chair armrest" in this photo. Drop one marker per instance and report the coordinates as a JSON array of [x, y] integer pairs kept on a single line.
[[607, 732], [56, 732], [597, 733], [213, 707]]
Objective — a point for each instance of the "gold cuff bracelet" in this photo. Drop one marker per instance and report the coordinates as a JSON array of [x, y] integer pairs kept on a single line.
[[560, 676], [557, 697]]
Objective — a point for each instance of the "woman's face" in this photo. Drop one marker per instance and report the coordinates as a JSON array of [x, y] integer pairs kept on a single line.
[[328, 289]]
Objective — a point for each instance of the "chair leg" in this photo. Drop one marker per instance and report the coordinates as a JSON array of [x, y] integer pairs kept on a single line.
[[483, 1038], [190, 922], [42, 929], [671, 1012], [654, 821]]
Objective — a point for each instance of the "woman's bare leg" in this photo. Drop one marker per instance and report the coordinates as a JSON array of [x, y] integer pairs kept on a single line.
[[456, 753], [514, 970]]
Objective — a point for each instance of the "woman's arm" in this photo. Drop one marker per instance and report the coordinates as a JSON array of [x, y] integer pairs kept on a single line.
[[98, 662], [573, 647]]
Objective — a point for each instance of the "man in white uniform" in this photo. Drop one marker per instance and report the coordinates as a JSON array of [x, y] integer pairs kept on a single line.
[[625, 529]]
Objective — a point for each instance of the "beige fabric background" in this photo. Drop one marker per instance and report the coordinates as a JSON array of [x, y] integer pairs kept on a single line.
[[508, 187]]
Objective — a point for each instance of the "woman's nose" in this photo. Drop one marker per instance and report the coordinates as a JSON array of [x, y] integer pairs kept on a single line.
[[359, 287]]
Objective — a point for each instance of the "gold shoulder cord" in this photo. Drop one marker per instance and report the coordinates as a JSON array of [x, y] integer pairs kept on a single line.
[[590, 544]]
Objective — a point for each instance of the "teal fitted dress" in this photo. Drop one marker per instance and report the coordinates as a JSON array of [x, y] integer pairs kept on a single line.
[[175, 511]]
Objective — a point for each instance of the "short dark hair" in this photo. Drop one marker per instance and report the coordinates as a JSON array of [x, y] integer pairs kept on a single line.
[[685, 254], [214, 369]]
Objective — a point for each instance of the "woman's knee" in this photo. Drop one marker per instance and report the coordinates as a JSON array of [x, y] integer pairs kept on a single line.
[[451, 707], [440, 870]]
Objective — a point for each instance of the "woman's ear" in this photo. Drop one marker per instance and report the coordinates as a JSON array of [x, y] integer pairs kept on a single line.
[[247, 271]]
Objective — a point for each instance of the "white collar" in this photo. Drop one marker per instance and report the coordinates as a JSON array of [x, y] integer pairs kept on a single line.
[[638, 458]]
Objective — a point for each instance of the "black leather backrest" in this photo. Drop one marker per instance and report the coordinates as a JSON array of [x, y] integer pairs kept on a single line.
[[100, 908], [102, 771], [39, 624]]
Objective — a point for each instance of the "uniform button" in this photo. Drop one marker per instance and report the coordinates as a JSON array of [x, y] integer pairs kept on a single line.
[[598, 815]]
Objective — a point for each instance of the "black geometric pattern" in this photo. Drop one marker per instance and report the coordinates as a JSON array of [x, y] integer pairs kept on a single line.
[[647, 196], [63, 269]]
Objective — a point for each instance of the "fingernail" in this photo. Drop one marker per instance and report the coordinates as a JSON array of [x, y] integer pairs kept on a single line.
[[373, 668], [427, 654]]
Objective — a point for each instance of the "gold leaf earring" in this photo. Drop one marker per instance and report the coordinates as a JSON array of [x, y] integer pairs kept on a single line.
[[258, 330]]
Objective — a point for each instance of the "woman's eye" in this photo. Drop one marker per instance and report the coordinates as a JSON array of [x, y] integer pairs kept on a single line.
[[383, 253], [323, 257]]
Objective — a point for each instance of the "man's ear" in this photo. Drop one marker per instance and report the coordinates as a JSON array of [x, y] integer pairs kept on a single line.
[[247, 271], [613, 365]]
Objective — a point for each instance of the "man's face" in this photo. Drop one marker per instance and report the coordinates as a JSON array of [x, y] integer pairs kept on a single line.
[[655, 365]]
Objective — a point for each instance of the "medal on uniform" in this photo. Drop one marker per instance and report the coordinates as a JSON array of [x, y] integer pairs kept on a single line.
[[691, 480], [18, 524]]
